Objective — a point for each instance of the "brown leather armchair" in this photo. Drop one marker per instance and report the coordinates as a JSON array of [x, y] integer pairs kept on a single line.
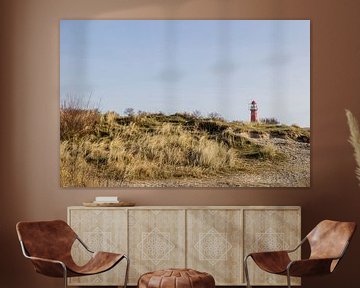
[[328, 242], [48, 245]]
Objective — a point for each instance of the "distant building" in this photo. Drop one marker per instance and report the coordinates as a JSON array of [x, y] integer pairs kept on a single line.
[[253, 111]]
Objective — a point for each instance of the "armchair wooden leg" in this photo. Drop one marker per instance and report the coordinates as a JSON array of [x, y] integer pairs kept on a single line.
[[246, 270]]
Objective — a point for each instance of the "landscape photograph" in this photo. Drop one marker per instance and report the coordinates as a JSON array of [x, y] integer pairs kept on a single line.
[[185, 103]]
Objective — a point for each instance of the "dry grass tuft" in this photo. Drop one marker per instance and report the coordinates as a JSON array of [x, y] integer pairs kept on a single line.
[[354, 140]]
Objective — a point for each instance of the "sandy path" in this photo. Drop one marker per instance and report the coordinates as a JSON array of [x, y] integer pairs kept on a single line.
[[294, 172]]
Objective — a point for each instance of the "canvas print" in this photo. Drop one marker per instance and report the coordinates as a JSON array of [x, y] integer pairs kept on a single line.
[[185, 103]]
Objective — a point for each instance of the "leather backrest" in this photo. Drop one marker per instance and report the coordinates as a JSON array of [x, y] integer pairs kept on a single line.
[[329, 238], [47, 239]]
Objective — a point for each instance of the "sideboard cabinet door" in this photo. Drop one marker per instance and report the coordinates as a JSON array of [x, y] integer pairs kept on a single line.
[[270, 230], [101, 230], [156, 240], [214, 244]]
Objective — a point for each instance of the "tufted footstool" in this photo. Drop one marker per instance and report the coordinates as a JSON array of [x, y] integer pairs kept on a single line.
[[176, 278]]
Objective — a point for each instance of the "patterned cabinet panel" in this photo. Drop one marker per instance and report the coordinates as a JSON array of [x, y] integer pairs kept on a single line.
[[156, 240], [267, 230], [214, 244], [101, 230]]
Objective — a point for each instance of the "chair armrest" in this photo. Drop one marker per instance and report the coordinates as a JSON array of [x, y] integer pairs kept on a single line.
[[48, 267], [45, 260], [84, 245], [271, 261], [269, 252], [298, 246], [280, 251], [309, 267]]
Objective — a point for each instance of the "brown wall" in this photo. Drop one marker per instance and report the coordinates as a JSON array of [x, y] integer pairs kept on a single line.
[[29, 111]]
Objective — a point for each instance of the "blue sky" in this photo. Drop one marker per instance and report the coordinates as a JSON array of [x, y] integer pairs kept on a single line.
[[187, 65]]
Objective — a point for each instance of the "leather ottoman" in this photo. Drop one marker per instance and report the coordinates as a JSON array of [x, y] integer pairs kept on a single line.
[[176, 278]]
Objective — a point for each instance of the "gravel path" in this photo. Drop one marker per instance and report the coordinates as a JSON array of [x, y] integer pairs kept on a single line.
[[293, 172]]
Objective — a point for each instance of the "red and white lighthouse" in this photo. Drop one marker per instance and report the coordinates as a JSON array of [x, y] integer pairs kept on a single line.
[[253, 111]]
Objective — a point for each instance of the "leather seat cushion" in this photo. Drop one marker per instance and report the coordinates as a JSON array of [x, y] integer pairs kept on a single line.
[[176, 278]]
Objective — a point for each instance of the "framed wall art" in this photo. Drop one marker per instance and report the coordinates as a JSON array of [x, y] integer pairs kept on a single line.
[[185, 103]]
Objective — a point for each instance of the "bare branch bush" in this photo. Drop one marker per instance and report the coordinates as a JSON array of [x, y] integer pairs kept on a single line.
[[77, 117]]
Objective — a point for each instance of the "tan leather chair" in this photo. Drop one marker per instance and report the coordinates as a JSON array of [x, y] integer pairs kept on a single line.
[[48, 245], [328, 242]]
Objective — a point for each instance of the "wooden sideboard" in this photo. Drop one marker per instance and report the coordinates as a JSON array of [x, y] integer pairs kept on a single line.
[[212, 239]]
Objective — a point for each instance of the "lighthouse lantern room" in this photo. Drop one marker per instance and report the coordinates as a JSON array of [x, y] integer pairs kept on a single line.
[[253, 111]]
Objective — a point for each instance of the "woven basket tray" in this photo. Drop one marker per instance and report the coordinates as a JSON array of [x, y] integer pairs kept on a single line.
[[120, 204]]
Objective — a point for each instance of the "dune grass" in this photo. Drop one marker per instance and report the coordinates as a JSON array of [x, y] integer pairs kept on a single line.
[[107, 150]]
